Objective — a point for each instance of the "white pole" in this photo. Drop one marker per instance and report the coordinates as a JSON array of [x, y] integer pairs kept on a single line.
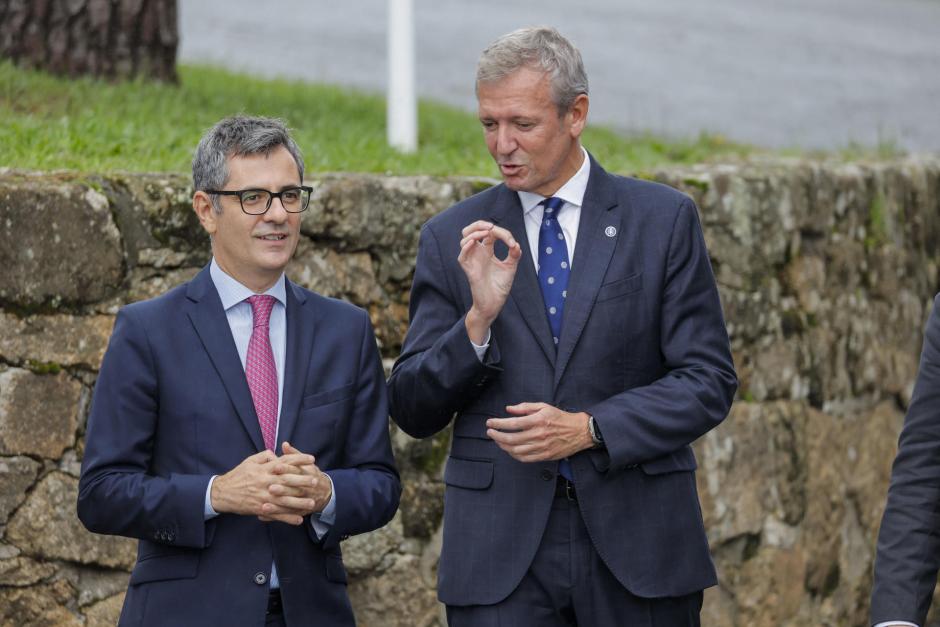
[[402, 119]]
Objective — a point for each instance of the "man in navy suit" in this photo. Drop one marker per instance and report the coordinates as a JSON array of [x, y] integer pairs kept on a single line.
[[568, 324], [239, 427], [908, 555]]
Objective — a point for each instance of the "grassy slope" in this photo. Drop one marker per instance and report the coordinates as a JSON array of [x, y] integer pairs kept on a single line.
[[49, 123]]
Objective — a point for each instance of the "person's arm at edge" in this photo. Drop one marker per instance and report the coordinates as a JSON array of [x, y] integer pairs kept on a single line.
[[908, 550]]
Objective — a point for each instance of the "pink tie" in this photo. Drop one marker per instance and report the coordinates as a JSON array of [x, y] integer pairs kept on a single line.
[[260, 369]]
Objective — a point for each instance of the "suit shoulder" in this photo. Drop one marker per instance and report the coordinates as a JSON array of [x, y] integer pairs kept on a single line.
[[465, 211], [645, 191], [329, 307], [158, 306]]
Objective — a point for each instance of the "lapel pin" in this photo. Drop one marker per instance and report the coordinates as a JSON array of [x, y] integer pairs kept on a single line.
[[610, 231]]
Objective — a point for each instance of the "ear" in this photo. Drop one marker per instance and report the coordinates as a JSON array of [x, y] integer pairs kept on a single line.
[[202, 205], [577, 115]]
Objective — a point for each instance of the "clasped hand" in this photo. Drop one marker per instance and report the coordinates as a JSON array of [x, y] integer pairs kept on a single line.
[[285, 488]]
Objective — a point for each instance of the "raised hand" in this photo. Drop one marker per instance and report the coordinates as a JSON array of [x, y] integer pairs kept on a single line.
[[490, 278]]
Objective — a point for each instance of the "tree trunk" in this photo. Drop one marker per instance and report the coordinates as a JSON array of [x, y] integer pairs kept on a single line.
[[114, 39]]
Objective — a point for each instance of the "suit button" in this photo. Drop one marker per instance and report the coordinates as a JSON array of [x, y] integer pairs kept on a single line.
[[547, 475], [261, 579]]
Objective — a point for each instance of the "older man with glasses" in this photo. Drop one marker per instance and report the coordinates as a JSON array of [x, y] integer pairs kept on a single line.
[[239, 427]]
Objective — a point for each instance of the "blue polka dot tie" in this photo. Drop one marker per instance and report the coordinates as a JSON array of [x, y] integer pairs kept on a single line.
[[554, 268]]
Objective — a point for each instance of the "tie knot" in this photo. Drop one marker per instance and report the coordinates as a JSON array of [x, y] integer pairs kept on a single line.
[[261, 306], [553, 204]]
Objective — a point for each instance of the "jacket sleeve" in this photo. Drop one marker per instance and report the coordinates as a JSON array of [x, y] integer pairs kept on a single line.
[[908, 555], [699, 383], [438, 370], [366, 484], [118, 495]]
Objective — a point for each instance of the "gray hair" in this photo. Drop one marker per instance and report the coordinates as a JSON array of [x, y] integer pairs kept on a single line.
[[542, 48], [238, 136]]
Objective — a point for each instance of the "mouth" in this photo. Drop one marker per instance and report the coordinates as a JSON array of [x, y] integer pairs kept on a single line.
[[508, 169], [272, 237]]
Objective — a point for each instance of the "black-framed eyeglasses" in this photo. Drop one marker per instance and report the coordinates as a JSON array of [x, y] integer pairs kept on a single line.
[[257, 201]]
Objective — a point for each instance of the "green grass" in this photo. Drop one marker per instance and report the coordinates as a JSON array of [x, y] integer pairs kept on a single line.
[[49, 123]]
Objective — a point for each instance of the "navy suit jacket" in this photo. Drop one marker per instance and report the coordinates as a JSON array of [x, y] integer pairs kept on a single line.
[[172, 408], [908, 554], [643, 349]]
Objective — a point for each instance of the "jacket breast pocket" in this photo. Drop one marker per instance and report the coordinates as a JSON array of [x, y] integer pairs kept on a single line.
[[620, 287], [326, 397]]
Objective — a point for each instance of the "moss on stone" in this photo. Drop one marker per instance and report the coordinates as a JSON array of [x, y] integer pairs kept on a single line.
[[43, 367], [699, 184], [877, 230]]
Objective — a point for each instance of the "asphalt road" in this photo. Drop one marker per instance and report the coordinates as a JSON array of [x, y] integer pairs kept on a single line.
[[791, 73]]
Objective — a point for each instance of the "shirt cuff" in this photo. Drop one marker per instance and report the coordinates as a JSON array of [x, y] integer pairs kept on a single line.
[[207, 511], [323, 520], [892, 623], [480, 349]]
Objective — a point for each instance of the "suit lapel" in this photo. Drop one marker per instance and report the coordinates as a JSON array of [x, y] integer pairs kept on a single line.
[[595, 246], [208, 318], [300, 331], [525, 296]]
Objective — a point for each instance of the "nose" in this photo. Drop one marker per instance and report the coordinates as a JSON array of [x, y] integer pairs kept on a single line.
[[505, 140], [276, 212]]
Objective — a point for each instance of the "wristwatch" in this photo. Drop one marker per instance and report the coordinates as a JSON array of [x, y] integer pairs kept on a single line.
[[595, 431]]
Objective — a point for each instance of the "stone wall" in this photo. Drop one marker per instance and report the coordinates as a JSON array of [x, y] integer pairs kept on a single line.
[[826, 274]]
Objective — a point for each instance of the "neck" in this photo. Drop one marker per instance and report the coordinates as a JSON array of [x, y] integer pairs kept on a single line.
[[259, 282]]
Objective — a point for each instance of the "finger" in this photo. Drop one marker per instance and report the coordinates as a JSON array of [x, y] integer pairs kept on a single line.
[[277, 489], [295, 459], [289, 449], [509, 424], [500, 233], [479, 225], [290, 504], [477, 236], [297, 480], [465, 250], [524, 409], [519, 453], [508, 438], [263, 457], [290, 519]]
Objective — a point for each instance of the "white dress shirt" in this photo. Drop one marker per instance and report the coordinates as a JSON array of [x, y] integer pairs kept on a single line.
[[240, 320], [569, 216]]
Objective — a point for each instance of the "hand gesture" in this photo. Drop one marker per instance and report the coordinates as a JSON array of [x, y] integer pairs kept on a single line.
[[540, 432], [284, 488], [490, 278], [303, 488]]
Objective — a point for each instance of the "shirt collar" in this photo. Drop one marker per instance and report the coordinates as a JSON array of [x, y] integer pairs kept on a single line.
[[572, 192], [231, 292]]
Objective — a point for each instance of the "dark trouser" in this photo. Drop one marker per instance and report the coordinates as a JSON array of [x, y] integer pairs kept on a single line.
[[568, 584]]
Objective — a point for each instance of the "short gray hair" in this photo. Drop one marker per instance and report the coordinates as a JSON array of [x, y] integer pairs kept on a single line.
[[542, 48], [238, 136]]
